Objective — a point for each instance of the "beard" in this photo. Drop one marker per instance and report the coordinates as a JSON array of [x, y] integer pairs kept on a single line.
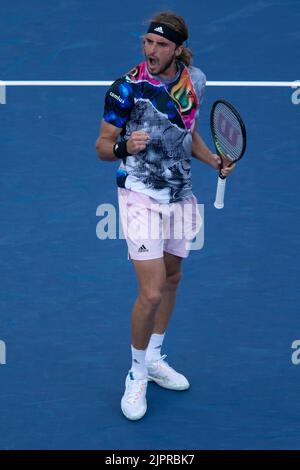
[[164, 69]]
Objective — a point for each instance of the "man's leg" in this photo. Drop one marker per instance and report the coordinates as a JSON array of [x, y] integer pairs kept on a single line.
[[158, 369], [151, 275], [165, 309]]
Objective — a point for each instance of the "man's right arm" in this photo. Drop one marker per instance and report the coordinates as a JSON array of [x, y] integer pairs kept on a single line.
[[106, 141], [108, 138], [118, 104]]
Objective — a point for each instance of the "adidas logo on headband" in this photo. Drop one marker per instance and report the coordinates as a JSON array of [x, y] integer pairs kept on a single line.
[[159, 30], [168, 33]]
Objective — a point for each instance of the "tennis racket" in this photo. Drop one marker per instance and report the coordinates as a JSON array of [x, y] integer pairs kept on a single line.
[[229, 135]]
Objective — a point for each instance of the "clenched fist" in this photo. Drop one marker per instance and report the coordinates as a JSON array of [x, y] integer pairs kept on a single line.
[[137, 142]]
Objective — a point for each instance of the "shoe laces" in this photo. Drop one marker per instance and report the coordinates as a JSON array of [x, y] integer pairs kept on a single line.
[[162, 364], [135, 390], [162, 359]]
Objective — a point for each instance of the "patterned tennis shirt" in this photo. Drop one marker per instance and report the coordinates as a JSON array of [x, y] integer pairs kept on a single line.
[[167, 111]]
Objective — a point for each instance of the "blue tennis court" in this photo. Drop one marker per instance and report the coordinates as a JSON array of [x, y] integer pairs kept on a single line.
[[66, 295]]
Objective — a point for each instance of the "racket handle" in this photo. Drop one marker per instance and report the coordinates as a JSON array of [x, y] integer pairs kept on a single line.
[[219, 202]]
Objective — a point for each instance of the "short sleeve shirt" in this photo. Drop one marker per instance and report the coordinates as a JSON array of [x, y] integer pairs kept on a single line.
[[167, 111]]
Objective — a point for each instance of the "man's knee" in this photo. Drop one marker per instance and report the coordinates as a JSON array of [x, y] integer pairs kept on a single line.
[[151, 298], [173, 280]]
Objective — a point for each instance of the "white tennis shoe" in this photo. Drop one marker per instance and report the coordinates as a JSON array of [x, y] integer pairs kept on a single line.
[[165, 376], [134, 403]]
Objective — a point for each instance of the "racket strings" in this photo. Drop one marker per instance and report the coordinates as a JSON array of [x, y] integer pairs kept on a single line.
[[228, 132]]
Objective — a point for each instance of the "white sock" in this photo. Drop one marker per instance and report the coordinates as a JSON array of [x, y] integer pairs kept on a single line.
[[138, 366], [154, 347]]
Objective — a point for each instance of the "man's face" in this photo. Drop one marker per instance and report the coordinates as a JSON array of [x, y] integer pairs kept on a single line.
[[159, 52]]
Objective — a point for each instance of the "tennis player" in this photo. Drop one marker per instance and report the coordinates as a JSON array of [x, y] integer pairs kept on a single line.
[[149, 124]]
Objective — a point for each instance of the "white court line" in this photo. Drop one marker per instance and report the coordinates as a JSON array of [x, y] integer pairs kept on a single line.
[[294, 84]]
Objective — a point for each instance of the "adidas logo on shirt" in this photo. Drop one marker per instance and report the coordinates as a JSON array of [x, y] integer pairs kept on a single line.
[[142, 249], [159, 29]]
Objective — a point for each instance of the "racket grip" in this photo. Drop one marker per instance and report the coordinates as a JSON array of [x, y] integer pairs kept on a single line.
[[219, 202]]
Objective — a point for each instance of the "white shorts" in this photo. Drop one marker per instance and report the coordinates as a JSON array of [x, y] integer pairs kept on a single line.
[[151, 229]]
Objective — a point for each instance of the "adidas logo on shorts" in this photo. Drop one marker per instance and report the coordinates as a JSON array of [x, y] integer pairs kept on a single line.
[[142, 249]]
